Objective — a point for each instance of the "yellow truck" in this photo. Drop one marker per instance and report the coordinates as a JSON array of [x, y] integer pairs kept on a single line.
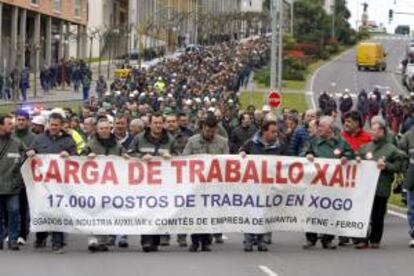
[[370, 55]]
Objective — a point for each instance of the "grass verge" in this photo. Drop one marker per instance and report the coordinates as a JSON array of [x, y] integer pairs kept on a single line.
[[289, 100], [395, 199]]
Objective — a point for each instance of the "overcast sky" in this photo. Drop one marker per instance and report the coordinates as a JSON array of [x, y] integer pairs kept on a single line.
[[378, 11]]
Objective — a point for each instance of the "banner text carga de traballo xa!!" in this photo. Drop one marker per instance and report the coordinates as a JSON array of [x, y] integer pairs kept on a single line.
[[199, 194]]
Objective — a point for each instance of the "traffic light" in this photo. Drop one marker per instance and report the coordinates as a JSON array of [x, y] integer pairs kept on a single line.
[[390, 15]]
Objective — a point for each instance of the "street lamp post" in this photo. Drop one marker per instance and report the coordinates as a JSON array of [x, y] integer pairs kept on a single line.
[[333, 18], [273, 65]]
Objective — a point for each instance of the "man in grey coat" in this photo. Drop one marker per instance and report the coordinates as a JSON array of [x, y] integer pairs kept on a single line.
[[207, 142]]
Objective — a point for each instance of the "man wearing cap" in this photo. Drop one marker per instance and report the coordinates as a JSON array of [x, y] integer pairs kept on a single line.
[[53, 141], [38, 124], [207, 142], [345, 105], [23, 134]]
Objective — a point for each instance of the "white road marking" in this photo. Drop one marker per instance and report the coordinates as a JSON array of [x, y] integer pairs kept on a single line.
[[267, 271], [397, 214]]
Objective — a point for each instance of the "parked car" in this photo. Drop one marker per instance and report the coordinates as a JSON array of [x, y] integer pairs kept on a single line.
[[191, 48]]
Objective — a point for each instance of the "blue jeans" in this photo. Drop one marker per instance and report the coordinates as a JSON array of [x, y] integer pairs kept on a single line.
[[11, 202], [24, 93], [85, 93], [410, 211]]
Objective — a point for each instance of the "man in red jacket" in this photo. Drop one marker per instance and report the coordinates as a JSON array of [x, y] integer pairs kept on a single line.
[[355, 135], [353, 132]]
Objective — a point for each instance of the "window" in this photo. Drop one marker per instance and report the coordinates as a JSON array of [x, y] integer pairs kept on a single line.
[[78, 5], [34, 2], [57, 5]]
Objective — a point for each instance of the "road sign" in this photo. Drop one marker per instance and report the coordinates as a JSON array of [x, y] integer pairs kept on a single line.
[[274, 99]]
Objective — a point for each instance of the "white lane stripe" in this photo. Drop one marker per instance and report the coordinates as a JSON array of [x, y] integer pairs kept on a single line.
[[397, 214], [267, 270]]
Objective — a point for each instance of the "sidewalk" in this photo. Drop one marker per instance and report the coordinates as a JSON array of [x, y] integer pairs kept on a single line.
[[67, 94]]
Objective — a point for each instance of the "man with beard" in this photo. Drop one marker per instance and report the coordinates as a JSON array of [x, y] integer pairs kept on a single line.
[[207, 142]]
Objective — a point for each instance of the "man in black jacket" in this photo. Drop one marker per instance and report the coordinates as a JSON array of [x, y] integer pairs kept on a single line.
[[53, 141], [264, 142]]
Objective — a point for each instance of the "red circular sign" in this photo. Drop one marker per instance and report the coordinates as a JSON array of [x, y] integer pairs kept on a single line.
[[274, 99]]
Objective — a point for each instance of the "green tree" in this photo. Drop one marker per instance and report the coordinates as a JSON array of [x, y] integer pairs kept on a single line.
[[312, 24]]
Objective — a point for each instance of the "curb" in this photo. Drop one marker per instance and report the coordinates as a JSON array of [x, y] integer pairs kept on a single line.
[[398, 209]]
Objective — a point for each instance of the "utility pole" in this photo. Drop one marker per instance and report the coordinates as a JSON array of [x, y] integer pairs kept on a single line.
[[292, 4], [280, 56], [273, 65]]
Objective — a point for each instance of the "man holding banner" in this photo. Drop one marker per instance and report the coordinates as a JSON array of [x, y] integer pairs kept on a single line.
[[154, 141], [326, 145], [264, 142], [53, 141], [207, 142], [390, 160], [104, 143]]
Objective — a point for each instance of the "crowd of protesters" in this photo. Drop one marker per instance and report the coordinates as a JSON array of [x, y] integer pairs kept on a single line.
[[190, 105]]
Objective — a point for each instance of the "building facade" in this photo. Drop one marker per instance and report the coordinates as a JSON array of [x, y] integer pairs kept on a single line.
[[37, 33], [108, 22]]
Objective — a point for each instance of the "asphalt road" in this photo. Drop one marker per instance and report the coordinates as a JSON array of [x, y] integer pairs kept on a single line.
[[343, 72], [286, 257]]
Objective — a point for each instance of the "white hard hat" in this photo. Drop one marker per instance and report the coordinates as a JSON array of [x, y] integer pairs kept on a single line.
[[206, 99], [59, 111], [39, 120]]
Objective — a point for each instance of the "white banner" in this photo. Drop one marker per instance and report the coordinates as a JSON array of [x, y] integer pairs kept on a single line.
[[199, 194]]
